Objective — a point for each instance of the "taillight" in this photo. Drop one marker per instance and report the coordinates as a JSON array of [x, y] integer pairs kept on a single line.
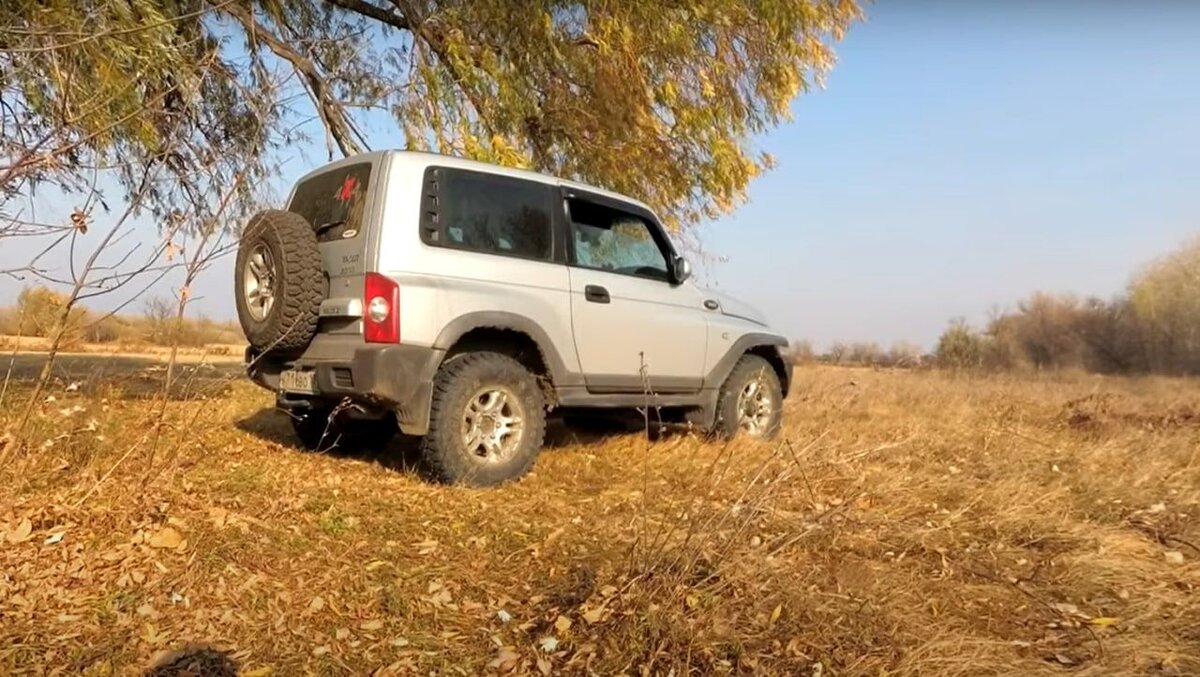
[[381, 309]]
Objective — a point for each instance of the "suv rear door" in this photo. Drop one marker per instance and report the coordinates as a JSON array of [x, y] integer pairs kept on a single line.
[[626, 310], [338, 202]]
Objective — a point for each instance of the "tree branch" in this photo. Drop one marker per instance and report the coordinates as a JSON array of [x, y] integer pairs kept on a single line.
[[330, 110], [373, 12]]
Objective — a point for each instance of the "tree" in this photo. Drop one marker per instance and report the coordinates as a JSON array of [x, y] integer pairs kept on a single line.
[[39, 313], [1165, 300], [158, 313], [655, 99], [144, 89]]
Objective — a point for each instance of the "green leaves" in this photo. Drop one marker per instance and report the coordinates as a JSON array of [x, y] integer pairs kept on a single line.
[[651, 99], [657, 100]]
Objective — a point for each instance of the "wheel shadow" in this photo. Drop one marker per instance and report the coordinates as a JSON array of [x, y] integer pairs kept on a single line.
[[403, 453], [576, 428], [400, 454]]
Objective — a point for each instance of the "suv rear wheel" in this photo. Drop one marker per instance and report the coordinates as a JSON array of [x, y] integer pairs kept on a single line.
[[751, 400], [486, 421]]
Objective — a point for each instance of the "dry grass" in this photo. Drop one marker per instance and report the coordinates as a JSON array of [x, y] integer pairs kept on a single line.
[[911, 524]]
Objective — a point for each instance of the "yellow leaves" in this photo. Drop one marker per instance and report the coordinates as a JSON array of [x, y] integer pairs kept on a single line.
[[594, 615], [506, 659], [670, 94], [167, 538], [1103, 621], [562, 624], [20, 533], [775, 613]]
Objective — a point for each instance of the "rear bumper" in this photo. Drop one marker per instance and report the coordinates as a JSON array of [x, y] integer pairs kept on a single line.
[[394, 377]]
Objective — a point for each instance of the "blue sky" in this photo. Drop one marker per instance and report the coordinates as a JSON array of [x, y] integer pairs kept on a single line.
[[960, 157]]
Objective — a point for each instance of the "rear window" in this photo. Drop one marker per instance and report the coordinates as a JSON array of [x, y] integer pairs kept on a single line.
[[492, 214], [334, 201]]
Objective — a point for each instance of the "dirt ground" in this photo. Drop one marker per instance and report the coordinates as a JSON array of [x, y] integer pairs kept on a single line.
[[907, 523]]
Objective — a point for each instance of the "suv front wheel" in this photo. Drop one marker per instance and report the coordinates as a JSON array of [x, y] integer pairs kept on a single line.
[[751, 400], [486, 420]]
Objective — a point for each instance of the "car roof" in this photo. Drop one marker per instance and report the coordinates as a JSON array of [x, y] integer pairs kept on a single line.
[[438, 159]]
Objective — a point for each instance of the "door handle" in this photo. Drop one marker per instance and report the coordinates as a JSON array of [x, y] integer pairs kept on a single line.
[[596, 294]]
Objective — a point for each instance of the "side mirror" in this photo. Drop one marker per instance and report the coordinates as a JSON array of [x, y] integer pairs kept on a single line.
[[681, 269]]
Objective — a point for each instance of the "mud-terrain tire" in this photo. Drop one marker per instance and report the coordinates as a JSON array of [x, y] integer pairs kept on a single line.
[[317, 432], [470, 390], [752, 377], [278, 255]]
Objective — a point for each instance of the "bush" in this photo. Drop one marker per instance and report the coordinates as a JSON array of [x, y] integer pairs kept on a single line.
[[960, 347], [39, 312], [8, 322], [904, 354]]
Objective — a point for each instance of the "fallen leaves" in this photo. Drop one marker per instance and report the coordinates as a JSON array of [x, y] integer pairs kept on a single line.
[[21, 532], [432, 581], [167, 538], [594, 615]]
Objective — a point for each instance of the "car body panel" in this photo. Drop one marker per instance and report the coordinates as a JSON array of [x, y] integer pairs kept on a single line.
[[659, 335]]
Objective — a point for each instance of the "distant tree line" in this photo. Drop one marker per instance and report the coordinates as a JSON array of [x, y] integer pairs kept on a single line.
[[37, 313], [862, 354], [1154, 327]]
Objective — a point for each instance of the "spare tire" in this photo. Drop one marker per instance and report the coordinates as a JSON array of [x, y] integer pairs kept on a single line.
[[278, 282]]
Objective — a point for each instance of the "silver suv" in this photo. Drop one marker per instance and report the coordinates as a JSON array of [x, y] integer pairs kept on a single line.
[[462, 302]]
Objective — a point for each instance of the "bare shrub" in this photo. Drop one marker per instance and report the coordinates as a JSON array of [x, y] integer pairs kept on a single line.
[[961, 347], [803, 352], [904, 354], [867, 354]]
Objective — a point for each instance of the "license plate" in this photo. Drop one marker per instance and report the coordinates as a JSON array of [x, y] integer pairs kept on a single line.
[[294, 381]]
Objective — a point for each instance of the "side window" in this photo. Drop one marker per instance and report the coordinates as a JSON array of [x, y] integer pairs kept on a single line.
[[616, 241], [491, 214]]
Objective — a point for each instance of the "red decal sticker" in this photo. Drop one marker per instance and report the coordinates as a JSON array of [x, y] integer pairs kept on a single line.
[[347, 188]]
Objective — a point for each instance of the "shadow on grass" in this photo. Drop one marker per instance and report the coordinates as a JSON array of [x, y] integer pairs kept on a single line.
[[403, 453], [400, 454]]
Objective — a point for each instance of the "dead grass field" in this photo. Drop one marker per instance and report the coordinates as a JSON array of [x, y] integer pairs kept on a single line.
[[911, 523]]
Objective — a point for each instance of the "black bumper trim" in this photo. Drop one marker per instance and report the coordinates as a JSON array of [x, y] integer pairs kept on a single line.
[[397, 377]]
